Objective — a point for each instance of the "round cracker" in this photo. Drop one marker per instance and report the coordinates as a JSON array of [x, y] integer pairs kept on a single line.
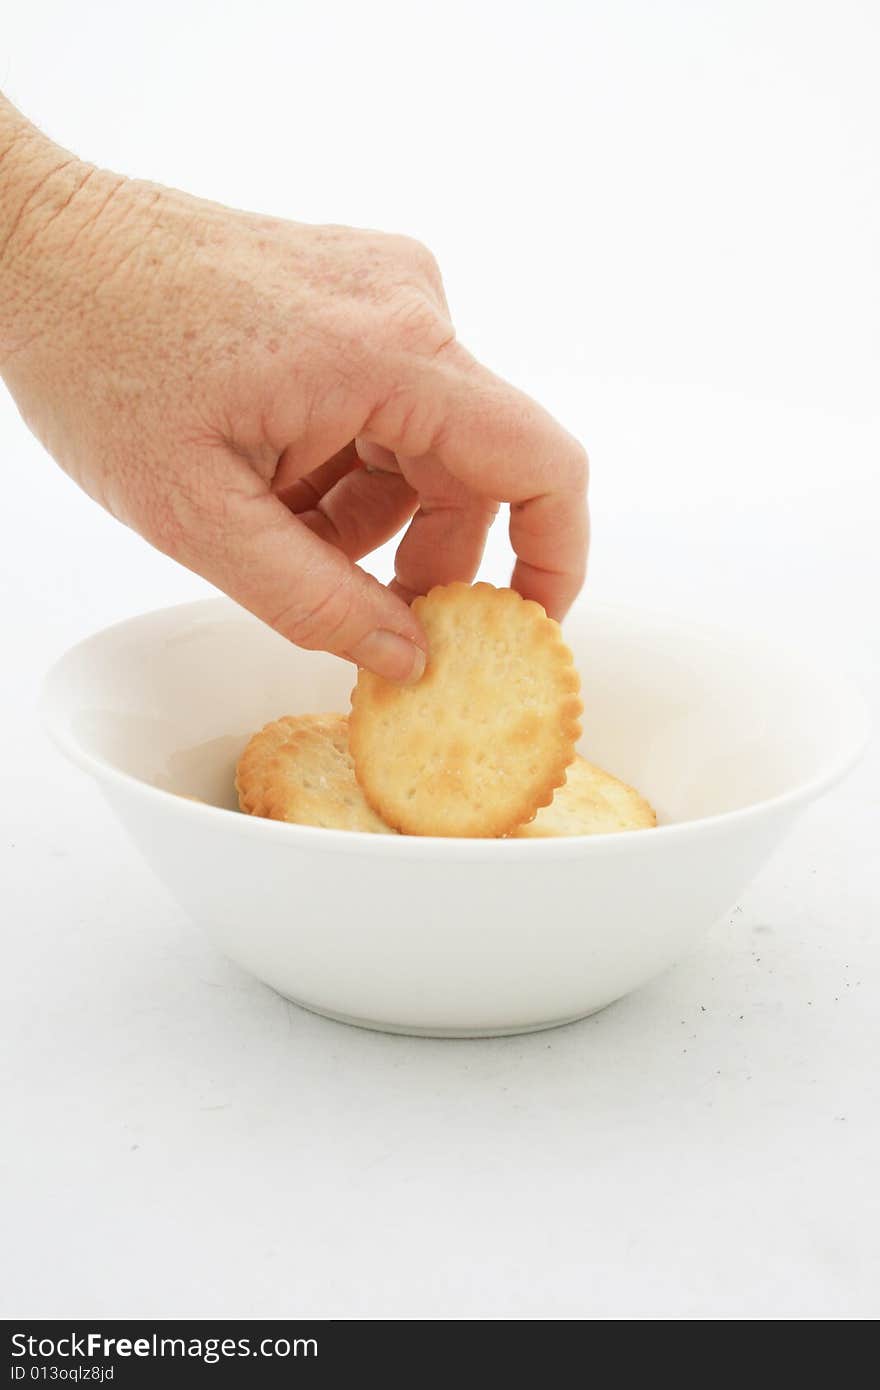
[[591, 802], [484, 738], [299, 769]]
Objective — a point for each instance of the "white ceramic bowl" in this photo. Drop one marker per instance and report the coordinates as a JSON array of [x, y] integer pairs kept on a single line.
[[729, 738]]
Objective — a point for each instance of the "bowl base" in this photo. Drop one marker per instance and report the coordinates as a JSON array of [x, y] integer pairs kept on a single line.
[[411, 1030]]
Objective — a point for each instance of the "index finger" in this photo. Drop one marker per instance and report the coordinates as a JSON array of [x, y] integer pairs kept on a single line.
[[504, 447]]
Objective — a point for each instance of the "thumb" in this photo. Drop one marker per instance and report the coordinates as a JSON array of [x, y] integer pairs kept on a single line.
[[246, 542]]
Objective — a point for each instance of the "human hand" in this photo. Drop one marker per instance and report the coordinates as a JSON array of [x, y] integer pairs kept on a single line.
[[217, 380]]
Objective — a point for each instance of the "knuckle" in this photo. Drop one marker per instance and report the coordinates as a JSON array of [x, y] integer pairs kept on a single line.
[[580, 466], [415, 265], [418, 256], [415, 325], [571, 465], [409, 420]]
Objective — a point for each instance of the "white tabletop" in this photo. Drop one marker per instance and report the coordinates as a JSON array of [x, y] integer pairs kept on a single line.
[[180, 1141]]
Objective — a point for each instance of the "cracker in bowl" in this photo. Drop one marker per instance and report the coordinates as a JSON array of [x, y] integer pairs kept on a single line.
[[484, 738], [591, 802], [298, 769]]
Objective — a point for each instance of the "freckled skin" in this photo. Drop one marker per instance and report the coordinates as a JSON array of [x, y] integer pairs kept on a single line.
[[216, 379]]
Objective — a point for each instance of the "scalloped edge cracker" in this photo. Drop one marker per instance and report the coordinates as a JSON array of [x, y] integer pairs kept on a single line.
[[484, 738], [298, 769], [591, 802]]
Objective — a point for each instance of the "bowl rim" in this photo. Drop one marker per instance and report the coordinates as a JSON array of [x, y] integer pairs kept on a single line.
[[317, 838]]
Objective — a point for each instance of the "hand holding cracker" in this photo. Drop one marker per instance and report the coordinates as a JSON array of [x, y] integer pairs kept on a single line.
[[483, 746], [217, 379]]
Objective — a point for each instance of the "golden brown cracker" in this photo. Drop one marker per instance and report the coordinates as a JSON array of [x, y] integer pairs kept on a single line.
[[591, 802], [484, 738], [298, 769]]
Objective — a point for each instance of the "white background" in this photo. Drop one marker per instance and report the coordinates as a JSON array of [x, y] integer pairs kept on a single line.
[[663, 221]]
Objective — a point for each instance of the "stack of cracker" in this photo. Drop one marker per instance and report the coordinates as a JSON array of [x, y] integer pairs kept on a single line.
[[484, 745]]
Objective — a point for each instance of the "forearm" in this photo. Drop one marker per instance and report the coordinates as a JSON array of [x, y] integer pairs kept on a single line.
[[40, 184]]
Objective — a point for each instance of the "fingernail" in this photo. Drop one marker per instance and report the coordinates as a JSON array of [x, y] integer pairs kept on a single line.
[[391, 656]]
